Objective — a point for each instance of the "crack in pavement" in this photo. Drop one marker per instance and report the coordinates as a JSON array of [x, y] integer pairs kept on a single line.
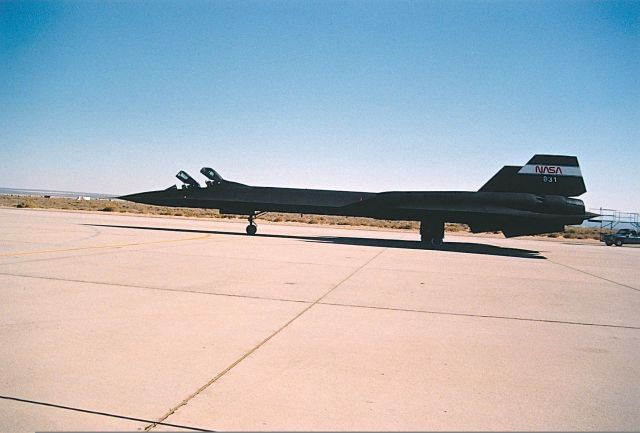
[[160, 289], [335, 304], [259, 345], [594, 275], [482, 316], [95, 412], [63, 250]]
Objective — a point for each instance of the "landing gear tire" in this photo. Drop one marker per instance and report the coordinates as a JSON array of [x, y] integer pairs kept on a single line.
[[252, 229], [432, 233], [431, 242]]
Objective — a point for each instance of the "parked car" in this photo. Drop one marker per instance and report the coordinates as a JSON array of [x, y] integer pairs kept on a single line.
[[621, 237]]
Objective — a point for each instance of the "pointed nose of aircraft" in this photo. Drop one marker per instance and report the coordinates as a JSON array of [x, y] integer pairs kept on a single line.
[[150, 197], [137, 197], [130, 197]]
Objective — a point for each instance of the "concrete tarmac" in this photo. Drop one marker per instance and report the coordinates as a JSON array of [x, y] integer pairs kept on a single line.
[[192, 323]]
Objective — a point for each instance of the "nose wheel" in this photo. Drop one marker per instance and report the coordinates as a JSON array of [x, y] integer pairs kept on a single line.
[[252, 228]]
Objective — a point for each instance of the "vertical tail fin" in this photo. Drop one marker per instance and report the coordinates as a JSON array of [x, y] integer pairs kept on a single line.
[[543, 174]]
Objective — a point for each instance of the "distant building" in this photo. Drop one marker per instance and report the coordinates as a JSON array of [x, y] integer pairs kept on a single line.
[[83, 197]]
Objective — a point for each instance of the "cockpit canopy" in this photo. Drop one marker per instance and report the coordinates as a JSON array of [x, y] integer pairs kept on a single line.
[[209, 172], [187, 180]]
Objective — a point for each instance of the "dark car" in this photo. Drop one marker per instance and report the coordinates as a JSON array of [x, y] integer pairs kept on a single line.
[[621, 237]]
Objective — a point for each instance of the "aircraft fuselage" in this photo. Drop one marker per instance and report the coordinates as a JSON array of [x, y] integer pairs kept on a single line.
[[518, 200], [449, 206]]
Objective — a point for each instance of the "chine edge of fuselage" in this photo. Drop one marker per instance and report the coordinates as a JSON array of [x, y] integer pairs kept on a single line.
[[452, 206]]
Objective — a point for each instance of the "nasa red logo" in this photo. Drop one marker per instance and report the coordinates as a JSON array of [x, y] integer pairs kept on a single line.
[[548, 169]]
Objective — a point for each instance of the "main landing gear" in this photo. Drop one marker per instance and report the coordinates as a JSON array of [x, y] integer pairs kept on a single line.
[[252, 228], [432, 233]]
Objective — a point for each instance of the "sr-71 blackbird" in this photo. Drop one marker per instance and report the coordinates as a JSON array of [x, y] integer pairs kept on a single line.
[[518, 200]]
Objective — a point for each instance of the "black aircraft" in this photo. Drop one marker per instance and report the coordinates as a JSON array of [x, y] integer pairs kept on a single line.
[[518, 200]]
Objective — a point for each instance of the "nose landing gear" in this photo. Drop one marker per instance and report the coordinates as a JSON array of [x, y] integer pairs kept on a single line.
[[252, 228]]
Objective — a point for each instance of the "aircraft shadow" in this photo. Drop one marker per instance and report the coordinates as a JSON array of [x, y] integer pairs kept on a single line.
[[453, 247]]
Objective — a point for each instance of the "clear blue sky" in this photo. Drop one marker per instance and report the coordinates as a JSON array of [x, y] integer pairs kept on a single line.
[[117, 96]]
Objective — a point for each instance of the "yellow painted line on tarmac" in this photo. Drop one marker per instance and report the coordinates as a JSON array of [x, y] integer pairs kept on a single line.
[[96, 247]]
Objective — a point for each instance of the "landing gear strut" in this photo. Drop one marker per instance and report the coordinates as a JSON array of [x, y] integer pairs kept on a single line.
[[252, 228], [432, 233]]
